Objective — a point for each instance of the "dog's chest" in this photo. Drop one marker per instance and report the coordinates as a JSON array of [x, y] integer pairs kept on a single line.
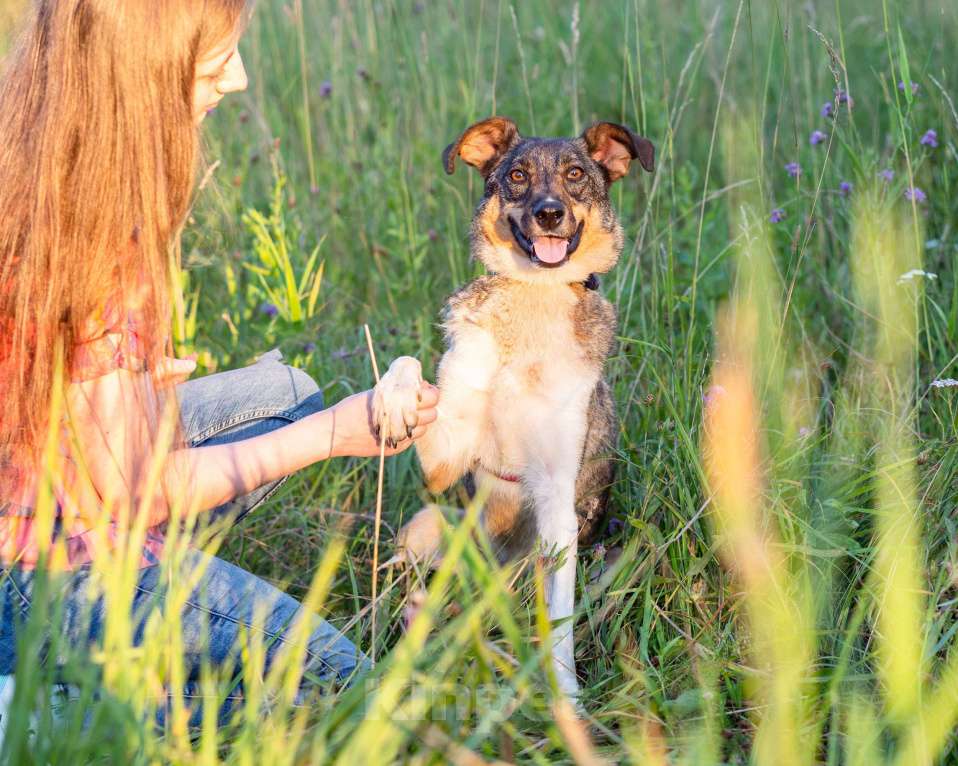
[[530, 356], [541, 348]]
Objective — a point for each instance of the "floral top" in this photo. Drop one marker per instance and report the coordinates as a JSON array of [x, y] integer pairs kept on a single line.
[[109, 342]]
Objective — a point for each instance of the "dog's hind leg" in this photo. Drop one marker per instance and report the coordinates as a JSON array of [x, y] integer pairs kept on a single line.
[[597, 473]]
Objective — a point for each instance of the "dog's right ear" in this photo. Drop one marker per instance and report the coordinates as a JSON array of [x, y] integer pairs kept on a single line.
[[482, 144]]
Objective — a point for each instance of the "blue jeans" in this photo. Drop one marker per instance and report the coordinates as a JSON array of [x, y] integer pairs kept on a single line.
[[219, 615]]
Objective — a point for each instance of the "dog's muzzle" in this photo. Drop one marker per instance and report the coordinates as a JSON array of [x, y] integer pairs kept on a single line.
[[544, 251]]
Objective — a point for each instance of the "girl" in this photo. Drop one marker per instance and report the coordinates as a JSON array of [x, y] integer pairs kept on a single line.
[[101, 105]]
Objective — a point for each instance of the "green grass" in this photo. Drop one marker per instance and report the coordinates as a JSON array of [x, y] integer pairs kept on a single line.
[[336, 209]]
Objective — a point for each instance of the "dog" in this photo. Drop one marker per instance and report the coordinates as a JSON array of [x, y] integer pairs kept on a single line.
[[524, 409]]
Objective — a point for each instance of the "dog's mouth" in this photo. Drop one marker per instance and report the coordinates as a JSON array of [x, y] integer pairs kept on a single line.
[[548, 252]]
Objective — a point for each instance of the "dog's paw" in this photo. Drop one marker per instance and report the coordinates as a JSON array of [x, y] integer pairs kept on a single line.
[[396, 401], [419, 540]]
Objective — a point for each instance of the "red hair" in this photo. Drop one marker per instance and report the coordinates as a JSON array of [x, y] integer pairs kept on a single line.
[[98, 159]]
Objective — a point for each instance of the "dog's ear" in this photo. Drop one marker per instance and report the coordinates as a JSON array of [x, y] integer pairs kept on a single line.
[[615, 146], [482, 144]]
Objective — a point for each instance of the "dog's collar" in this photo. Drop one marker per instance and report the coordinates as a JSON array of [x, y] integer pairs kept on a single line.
[[590, 283]]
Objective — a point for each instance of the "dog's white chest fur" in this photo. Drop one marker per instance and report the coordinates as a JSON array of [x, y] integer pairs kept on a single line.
[[539, 380]]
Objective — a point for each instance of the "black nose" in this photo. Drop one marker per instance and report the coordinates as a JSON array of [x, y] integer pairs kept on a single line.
[[548, 212]]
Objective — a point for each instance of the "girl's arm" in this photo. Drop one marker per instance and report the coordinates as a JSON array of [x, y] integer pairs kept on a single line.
[[110, 419], [218, 474]]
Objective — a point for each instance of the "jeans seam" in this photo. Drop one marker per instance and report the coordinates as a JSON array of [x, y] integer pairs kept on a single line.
[[272, 491], [260, 414], [25, 602], [6, 575], [246, 511]]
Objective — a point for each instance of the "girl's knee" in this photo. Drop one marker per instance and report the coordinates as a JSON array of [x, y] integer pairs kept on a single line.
[[291, 386], [231, 400], [331, 655]]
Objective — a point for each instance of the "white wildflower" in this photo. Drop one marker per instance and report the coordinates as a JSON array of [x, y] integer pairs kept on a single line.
[[908, 276], [944, 383]]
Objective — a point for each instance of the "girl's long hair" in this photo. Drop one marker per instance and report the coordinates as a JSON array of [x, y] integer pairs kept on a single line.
[[98, 160]]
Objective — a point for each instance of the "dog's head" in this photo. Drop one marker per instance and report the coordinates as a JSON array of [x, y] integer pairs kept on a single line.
[[546, 215]]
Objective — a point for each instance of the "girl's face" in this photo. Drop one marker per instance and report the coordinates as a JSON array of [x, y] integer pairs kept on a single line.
[[218, 72]]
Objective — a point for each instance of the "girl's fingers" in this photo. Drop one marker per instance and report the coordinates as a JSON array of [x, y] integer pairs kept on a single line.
[[171, 371], [428, 396], [428, 416]]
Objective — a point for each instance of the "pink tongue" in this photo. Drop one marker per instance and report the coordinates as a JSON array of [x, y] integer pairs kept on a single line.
[[550, 249]]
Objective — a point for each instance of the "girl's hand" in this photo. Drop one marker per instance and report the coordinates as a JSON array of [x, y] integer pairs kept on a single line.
[[172, 371], [353, 432]]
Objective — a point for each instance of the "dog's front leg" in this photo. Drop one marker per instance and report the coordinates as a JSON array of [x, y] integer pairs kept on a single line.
[[451, 445]]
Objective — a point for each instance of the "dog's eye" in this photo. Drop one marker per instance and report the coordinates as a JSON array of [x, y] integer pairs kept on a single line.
[[517, 176], [575, 174]]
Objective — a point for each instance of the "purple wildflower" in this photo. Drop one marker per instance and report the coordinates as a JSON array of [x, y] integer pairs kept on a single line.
[[914, 194], [817, 137], [325, 89], [887, 174], [268, 309], [712, 394], [309, 348], [777, 215], [914, 87], [845, 188], [793, 169], [844, 98], [930, 139], [828, 109]]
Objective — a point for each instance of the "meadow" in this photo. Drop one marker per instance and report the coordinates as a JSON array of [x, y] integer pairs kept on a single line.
[[778, 583]]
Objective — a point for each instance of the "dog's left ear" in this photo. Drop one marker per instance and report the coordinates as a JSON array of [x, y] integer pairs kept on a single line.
[[482, 144], [615, 146]]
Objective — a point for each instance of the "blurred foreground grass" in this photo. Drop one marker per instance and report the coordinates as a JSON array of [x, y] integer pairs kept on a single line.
[[791, 597]]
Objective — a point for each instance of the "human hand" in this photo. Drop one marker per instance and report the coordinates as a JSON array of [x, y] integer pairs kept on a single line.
[[354, 431], [172, 371]]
